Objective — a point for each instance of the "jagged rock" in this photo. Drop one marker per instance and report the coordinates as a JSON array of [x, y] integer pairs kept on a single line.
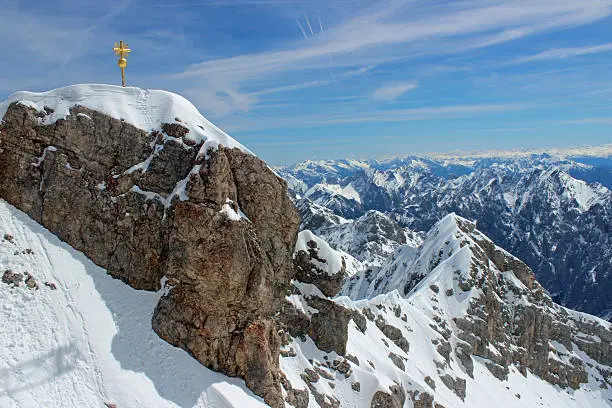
[[139, 234], [395, 399], [356, 386], [498, 371], [393, 333], [360, 321], [30, 281], [455, 384], [444, 349], [298, 398], [323, 373], [342, 365], [352, 359], [51, 285], [422, 399], [295, 398], [429, 381], [174, 129], [368, 313], [329, 326], [294, 321], [462, 352], [316, 262], [397, 360], [310, 376], [11, 278]]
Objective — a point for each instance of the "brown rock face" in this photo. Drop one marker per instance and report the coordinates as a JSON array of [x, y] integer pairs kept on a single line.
[[105, 187]]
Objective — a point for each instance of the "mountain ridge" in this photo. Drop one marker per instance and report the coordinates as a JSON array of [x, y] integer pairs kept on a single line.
[[532, 206]]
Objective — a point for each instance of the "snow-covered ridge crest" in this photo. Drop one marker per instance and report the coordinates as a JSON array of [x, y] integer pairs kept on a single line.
[[143, 108], [457, 322]]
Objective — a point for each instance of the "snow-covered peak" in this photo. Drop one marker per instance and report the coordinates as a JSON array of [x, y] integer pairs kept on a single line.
[[142, 108], [348, 192], [446, 246], [586, 195]]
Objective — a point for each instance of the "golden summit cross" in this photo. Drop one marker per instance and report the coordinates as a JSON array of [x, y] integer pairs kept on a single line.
[[122, 51]]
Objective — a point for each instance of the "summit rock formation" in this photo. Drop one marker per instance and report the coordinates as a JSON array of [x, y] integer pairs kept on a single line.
[[158, 196]]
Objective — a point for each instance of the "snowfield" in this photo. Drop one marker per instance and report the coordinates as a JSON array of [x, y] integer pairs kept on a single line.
[[90, 341]]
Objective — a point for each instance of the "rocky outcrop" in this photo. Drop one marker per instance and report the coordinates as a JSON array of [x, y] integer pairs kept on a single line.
[[317, 263], [394, 399], [218, 224], [533, 333]]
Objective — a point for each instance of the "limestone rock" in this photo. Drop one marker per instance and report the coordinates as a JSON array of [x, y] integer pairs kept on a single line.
[[11, 278], [228, 276], [394, 399], [317, 263]]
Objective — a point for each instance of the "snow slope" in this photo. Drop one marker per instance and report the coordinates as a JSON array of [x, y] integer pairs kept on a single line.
[[145, 109], [428, 319], [90, 341]]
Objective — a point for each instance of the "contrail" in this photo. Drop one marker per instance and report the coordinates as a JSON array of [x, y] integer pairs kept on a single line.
[[308, 22], [320, 23], [302, 29]]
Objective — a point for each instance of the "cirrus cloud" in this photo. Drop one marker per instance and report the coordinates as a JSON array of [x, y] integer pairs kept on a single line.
[[393, 90]]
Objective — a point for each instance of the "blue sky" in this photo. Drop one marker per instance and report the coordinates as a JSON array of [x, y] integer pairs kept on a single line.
[[297, 80]]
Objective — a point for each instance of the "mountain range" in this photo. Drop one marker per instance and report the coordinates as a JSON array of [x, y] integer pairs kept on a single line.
[[553, 212], [149, 259]]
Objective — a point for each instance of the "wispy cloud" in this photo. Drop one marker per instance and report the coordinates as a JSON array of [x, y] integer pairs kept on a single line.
[[564, 53], [590, 121], [391, 115], [313, 84], [383, 31], [393, 90]]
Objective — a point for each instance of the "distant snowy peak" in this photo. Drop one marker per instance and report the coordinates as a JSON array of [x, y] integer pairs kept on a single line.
[[347, 191], [144, 109], [370, 238], [570, 189], [452, 246]]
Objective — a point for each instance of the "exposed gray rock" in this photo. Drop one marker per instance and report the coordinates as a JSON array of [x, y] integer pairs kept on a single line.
[[398, 361], [296, 398], [11, 278], [498, 371], [393, 333], [368, 313], [444, 349], [30, 281], [51, 285], [429, 381], [421, 399], [329, 326], [394, 399], [360, 321], [455, 384]]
